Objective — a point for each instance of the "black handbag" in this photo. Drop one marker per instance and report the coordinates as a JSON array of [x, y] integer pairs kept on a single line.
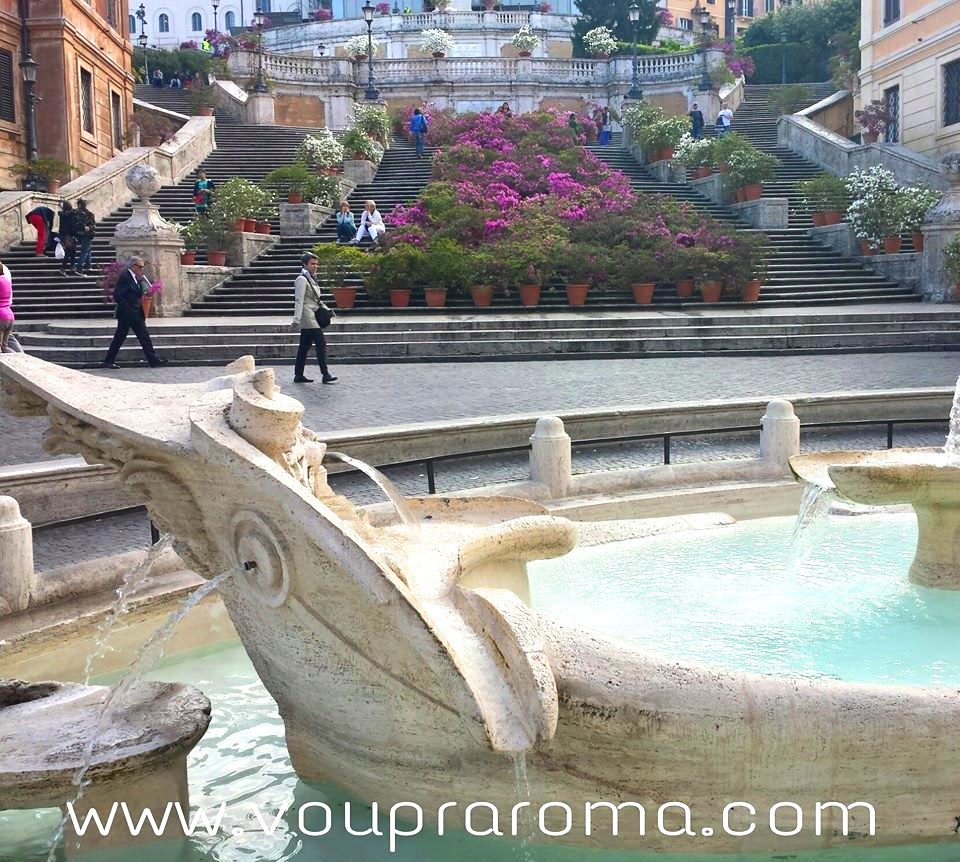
[[324, 316]]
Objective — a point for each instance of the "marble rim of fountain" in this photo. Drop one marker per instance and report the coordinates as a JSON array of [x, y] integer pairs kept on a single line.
[[819, 469]]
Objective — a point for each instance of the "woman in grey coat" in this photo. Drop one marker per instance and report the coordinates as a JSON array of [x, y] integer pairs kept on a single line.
[[307, 303]]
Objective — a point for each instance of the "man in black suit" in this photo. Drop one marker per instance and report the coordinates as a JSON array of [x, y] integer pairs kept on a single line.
[[129, 313]]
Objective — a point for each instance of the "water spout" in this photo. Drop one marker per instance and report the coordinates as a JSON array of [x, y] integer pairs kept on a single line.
[[814, 507], [524, 825], [150, 653], [385, 485]]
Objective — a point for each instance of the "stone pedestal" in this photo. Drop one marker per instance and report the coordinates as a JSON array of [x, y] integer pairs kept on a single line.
[[668, 171], [941, 225], [712, 188], [839, 237], [769, 213], [779, 434], [302, 219], [18, 581], [246, 247], [260, 109], [359, 171], [148, 235], [550, 456]]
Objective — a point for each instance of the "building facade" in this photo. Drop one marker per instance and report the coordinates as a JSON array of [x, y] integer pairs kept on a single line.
[[170, 23], [910, 61], [84, 86]]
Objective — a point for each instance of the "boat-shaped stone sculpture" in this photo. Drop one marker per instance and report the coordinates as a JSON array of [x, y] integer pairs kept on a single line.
[[407, 667]]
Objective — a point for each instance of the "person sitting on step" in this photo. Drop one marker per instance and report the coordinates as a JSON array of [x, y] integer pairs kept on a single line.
[[371, 222], [346, 223]]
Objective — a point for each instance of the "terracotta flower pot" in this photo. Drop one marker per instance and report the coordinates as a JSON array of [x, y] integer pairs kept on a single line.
[[701, 173], [146, 303], [833, 217], [438, 55], [436, 297], [359, 57], [345, 297], [399, 297], [870, 137], [602, 57], [524, 54], [891, 244], [53, 186], [753, 192], [819, 219], [188, 258], [250, 225], [723, 168], [685, 288], [294, 198], [917, 241], [529, 294], [740, 196], [711, 291], [205, 111], [482, 296], [643, 292], [263, 227], [240, 224], [666, 153], [577, 294], [149, 140], [750, 292], [217, 258], [866, 249]]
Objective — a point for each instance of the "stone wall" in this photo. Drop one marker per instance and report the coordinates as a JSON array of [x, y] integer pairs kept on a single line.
[[295, 110]]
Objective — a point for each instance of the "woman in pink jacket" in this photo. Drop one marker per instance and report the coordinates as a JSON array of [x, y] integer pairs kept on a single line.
[[6, 312]]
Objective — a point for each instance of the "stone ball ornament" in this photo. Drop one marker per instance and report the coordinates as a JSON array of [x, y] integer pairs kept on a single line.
[[950, 165], [143, 181]]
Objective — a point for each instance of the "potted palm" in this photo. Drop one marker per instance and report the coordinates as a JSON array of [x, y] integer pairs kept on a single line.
[[190, 236], [393, 273], [749, 170], [337, 264], [826, 196], [447, 270], [50, 170]]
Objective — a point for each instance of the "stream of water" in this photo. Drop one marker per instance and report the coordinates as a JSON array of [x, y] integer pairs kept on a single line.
[[952, 446], [385, 485]]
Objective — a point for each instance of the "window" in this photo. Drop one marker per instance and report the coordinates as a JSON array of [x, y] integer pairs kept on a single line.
[[86, 101], [131, 24], [196, 22], [113, 14], [769, 5], [891, 101], [746, 8], [686, 24], [891, 11], [951, 93], [7, 111], [116, 119], [164, 23], [230, 21]]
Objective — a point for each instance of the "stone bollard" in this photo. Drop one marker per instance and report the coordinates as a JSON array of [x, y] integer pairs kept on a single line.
[[550, 458], [779, 434], [17, 578]]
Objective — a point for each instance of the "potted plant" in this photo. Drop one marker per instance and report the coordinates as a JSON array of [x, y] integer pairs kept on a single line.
[[745, 267], [203, 99], [826, 196], [581, 265], [49, 169], [394, 272], [874, 119], [637, 271], [360, 146], [749, 170], [711, 268], [337, 263], [696, 155], [436, 42], [659, 138], [190, 236], [447, 270], [356, 47], [599, 42], [915, 202], [263, 210], [875, 212], [373, 121], [637, 117], [236, 201], [725, 147], [155, 129], [150, 290], [214, 230], [525, 41], [383, 9], [486, 272], [951, 261], [298, 185], [320, 152], [527, 264]]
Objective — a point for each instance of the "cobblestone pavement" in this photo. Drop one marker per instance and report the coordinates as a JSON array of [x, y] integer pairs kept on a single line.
[[57, 546], [376, 395]]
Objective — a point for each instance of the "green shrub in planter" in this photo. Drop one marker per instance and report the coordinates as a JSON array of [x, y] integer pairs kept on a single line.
[[337, 263], [726, 146], [399, 267], [190, 234], [749, 167], [297, 180], [45, 167], [357, 145], [446, 266], [696, 153], [201, 97], [824, 193], [951, 258], [638, 117], [663, 134], [236, 198]]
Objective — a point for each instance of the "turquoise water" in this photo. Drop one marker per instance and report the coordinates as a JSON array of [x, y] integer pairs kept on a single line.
[[727, 596], [696, 595]]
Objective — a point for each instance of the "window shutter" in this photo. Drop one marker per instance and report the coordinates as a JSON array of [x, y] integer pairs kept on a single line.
[[7, 111]]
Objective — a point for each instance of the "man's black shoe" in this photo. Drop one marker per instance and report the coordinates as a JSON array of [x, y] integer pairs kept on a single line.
[[302, 380], [109, 365], [158, 361], [327, 378]]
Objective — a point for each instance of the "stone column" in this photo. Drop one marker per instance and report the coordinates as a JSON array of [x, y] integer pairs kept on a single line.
[[779, 434], [260, 109], [550, 456], [146, 234], [18, 581], [941, 225]]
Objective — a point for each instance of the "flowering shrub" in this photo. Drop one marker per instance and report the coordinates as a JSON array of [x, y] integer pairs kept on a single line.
[[372, 120], [914, 201], [637, 117], [695, 152], [873, 212], [665, 16], [321, 15], [524, 39], [545, 8], [435, 42], [599, 41], [662, 134], [357, 145], [741, 67], [382, 8], [321, 150], [875, 118], [749, 166], [356, 46]]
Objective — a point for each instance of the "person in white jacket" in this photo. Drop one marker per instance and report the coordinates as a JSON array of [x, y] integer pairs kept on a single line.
[[371, 222]]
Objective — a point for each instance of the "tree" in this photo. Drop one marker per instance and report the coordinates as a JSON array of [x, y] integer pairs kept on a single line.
[[615, 15]]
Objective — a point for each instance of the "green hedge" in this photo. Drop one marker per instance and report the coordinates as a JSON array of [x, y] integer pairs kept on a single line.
[[804, 63]]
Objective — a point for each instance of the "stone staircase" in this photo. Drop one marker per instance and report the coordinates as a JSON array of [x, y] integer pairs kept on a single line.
[[165, 97]]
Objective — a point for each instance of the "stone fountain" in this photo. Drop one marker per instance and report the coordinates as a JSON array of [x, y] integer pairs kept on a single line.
[[405, 672]]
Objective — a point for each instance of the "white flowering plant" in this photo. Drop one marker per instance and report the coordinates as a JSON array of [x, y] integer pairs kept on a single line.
[[435, 41], [640, 115], [525, 39], [915, 201], [599, 41], [321, 150], [356, 46], [694, 152], [875, 209], [372, 120]]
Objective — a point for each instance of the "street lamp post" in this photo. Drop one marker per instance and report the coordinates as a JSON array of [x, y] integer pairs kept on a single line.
[[261, 85], [28, 69], [730, 25], [215, 4], [783, 58], [142, 40], [704, 16], [634, 93], [371, 94], [321, 49]]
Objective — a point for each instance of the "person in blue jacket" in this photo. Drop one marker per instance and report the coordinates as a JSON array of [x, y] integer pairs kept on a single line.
[[418, 128]]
